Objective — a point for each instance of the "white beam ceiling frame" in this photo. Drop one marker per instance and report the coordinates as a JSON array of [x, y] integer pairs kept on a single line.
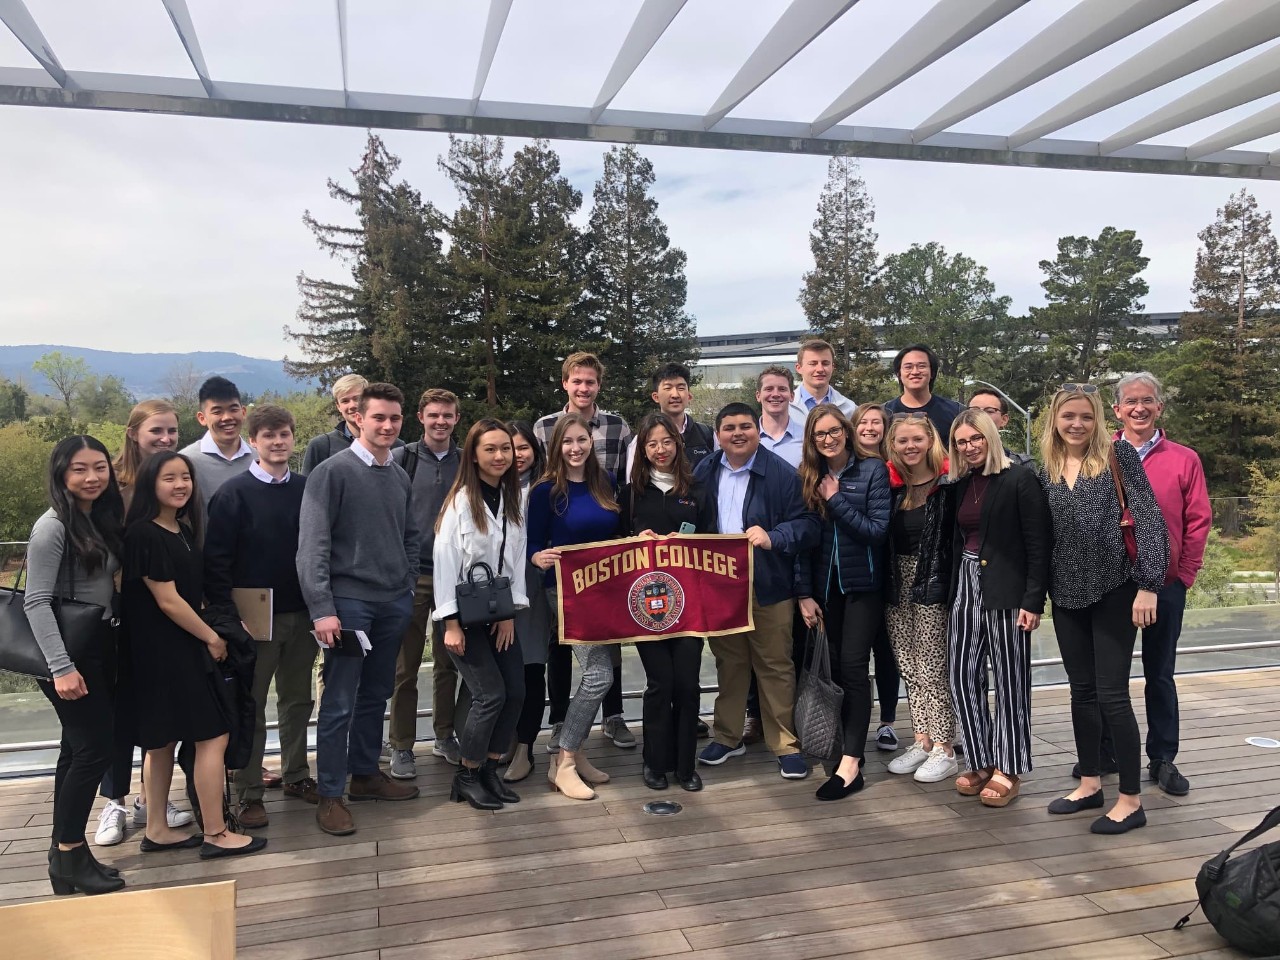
[[800, 24], [945, 27], [1083, 30], [342, 47], [17, 18], [1261, 124], [494, 25], [1257, 77], [1222, 31], [180, 17], [650, 24]]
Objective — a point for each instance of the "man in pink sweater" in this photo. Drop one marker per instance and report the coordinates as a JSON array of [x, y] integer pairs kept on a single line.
[[1178, 481]]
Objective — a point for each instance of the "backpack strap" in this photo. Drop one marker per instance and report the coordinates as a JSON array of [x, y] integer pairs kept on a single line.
[[1212, 869], [410, 462]]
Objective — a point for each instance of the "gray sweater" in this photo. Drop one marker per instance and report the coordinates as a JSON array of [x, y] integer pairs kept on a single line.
[[357, 537], [432, 477], [45, 581], [212, 471]]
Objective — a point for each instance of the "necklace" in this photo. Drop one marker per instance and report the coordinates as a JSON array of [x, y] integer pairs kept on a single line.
[[183, 538], [979, 489]]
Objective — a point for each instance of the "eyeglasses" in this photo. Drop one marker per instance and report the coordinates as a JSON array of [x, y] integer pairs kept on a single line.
[[822, 436], [1085, 388], [976, 441], [1130, 402], [989, 411]]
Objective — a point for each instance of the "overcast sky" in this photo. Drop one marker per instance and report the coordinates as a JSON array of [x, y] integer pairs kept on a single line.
[[155, 233]]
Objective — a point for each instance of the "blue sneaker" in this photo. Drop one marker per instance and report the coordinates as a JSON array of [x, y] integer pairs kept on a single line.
[[793, 767], [714, 754]]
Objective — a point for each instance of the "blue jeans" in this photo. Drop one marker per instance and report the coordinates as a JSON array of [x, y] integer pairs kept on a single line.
[[356, 690]]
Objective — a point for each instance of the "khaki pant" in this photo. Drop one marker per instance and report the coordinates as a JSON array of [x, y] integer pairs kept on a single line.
[[289, 657], [767, 651], [444, 675]]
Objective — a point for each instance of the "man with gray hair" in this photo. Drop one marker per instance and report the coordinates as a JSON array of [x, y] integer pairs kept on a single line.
[[1177, 478]]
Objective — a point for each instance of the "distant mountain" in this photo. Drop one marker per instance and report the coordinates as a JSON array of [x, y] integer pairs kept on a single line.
[[144, 374]]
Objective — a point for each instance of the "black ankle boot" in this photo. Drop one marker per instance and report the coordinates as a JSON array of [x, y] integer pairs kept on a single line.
[[72, 870], [102, 867], [488, 773], [467, 786]]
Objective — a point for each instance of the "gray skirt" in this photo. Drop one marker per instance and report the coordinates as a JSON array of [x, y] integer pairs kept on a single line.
[[533, 625]]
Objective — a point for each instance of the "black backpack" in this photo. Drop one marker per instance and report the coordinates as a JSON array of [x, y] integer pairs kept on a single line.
[[1241, 897]]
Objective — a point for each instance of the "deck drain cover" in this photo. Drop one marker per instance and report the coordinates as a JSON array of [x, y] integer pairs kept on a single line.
[[662, 808], [1263, 742]]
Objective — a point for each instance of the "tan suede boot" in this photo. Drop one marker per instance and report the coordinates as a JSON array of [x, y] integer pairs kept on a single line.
[[521, 764], [567, 780], [586, 770]]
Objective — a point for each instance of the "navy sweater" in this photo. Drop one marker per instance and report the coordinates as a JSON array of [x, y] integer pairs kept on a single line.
[[580, 520], [252, 540]]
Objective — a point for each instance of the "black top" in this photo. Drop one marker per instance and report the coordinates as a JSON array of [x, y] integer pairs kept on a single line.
[[969, 512], [941, 411], [662, 512], [492, 497], [905, 528], [252, 540]]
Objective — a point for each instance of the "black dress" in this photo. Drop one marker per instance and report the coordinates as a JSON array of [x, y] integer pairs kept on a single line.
[[173, 671]]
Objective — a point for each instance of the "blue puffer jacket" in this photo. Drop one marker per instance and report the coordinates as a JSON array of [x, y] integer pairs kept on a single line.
[[853, 535]]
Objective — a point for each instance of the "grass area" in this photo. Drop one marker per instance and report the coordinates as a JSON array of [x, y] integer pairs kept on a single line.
[[1246, 553]]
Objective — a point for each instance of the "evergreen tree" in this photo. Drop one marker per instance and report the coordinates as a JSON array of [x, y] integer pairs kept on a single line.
[[388, 321], [839, 295], [636, 286], [13, 402], [1092, 287]]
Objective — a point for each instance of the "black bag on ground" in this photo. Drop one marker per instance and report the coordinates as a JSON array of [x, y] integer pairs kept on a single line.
[[1241, 897], [818, 701]]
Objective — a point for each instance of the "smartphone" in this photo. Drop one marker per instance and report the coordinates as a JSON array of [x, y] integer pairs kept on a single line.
[[687, 527]]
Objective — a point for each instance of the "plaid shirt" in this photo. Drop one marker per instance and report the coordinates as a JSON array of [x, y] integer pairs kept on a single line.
[[609, 433]]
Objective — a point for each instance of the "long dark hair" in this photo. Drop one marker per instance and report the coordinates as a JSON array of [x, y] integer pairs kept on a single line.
[[94, 535], [468, 478], [558, 473], [641, 469], [524, 429], [146, 506]]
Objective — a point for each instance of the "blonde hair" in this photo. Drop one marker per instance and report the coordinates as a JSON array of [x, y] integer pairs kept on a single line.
[[346, 384], [1053, 449], [935, 457], [813, 465], [130, 459], [881, 451], [997, 460]]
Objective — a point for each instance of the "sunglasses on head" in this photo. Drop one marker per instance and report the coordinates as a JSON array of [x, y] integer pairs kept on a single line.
[[1085, 388], [904, 417]]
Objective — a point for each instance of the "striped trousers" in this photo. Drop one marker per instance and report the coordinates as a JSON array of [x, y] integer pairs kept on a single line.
[[977, 637]]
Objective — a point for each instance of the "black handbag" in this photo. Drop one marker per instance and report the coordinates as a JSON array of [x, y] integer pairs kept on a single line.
[[80, 624], [486, 601], [818, 701]]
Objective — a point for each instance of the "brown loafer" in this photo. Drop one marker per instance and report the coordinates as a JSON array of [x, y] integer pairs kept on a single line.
[[334, 818], [378, 786], [252, 814], [304, 789], [271, 780], [752, 732]]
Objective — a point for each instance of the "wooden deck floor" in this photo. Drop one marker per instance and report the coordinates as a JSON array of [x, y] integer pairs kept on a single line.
[[753, 867]]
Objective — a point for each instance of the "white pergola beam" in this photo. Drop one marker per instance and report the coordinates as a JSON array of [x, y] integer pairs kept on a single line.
[[1220, 32], [15, 15], [494, 25], [800, 24], [650, 24], [1082, 31], [180, 17], [948, 25], [1264, 123], [1255, 78], [342, 45]]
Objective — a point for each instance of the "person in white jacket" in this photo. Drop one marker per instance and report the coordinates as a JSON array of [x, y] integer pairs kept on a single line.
[[482, 522]]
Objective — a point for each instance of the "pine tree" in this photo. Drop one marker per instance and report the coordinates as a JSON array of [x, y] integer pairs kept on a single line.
[[388, 321], [839, 295], [636, 286]]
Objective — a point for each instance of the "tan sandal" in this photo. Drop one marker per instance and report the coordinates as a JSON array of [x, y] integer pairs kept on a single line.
[[1003, 794], [971, 782]]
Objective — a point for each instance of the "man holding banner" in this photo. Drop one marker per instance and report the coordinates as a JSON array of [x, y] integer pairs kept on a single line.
[[753, 492]]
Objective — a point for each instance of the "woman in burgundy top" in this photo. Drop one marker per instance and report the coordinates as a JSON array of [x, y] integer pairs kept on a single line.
[[1003, 537]]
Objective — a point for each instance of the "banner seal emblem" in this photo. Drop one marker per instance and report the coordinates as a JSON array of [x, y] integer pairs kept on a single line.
[[656, 601]]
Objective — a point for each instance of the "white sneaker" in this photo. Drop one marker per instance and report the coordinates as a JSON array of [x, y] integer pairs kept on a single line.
[[939, 766], [910, 761], [111, 822], [177, 818]]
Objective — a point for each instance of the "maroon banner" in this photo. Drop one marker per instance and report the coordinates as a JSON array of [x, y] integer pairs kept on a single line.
[[696, 585]]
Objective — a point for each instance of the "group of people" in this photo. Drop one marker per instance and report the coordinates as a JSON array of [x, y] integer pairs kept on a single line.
[[903, 530]]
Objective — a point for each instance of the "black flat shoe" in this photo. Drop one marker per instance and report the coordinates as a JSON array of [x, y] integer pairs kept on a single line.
[[1108, 826], [190, 843], [1093, 801], [654, 780], [836, 789], [692, 783], [209, 851]]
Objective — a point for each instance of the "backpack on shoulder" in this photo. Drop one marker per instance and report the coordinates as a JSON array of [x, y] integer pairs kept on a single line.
[[1241, 897]]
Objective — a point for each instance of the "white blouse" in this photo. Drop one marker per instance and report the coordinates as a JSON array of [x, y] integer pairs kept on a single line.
[[459, 544]]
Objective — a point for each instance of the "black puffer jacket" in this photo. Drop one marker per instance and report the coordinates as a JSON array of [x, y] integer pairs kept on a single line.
[[936, 556]]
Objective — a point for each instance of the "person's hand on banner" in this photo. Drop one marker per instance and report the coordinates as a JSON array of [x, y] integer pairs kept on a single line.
[[545, 559], [758, 537], [648, 533], [454, 639], [828, 486], [810, 612], [504, 632]]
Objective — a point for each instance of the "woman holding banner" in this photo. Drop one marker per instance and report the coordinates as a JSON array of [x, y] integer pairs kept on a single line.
[[661, 499], [573, 503], [840, 583]]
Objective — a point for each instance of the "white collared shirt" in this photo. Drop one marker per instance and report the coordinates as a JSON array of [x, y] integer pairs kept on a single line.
[[789, 446], [257, 470], [731, 494], [207, 445], [365, 454]]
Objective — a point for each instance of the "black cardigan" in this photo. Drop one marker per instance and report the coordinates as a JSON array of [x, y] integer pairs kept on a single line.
[[1015, 537], [652, 509]]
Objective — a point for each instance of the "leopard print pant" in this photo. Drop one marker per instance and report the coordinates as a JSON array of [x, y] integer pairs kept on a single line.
[[918, 634]]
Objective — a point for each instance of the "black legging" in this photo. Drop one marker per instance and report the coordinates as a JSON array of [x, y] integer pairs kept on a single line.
[[1097, 652], [560, 684], [888, 679], [118, 777], [671, 697], [535, 702], [852, 621], [85, 750]]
